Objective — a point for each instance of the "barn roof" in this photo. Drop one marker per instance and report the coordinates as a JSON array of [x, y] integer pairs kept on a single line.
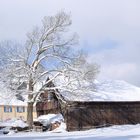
[[106, 91]]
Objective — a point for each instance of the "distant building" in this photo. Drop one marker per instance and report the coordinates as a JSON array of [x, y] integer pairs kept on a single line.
[[14, 111], [11, 106]]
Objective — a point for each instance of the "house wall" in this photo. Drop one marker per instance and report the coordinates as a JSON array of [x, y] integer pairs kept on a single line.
[[83, 116], [1, 113], [48, 105], [15, 114]]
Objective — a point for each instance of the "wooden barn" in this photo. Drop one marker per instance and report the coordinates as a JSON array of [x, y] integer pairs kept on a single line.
[[83, 111], [48, 102], [87, 115]]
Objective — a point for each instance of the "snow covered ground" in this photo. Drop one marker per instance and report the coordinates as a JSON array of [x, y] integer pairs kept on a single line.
[[13, 123], [124, 132]]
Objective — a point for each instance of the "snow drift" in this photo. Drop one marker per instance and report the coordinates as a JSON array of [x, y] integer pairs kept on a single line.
[[50, 118]]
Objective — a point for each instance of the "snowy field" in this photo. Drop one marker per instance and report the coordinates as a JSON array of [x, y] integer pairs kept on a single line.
[[125, 132]]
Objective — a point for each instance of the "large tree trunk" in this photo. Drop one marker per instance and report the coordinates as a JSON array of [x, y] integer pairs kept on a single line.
[[30, 106], [30, 115]]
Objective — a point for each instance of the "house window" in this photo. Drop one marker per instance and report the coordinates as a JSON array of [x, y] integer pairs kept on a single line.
[[50, 96], [20, 109], [7, 109]]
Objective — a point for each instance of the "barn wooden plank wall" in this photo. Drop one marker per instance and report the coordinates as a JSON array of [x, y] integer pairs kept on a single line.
[[86, 115]]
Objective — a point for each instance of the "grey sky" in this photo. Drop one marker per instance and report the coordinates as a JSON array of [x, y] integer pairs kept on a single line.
[[109, 30]]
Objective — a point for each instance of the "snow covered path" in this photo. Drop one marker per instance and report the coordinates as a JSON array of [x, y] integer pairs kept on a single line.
[[126, 132]]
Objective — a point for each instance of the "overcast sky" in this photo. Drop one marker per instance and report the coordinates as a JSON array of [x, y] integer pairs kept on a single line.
[[109, 30]]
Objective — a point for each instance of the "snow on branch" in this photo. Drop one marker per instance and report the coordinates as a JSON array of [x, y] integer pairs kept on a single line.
[[50, 43]]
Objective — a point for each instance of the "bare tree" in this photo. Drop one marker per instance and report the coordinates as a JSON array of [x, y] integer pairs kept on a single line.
[[48, 53]]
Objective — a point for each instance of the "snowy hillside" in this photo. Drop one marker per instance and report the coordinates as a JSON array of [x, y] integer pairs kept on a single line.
[[107, 91]]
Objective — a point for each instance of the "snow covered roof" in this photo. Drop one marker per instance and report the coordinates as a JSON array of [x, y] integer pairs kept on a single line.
[[106, 91], [7, 97]]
